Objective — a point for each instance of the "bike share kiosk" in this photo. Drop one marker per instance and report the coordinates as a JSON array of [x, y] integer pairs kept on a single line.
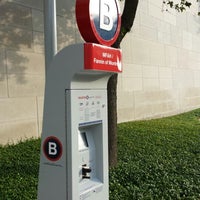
[[74, 149]]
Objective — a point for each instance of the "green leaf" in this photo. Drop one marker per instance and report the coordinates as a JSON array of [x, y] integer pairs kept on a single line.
[[170, 3], [188, 4]]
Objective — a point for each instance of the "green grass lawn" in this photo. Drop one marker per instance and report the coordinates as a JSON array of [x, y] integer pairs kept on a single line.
[[158, 159]]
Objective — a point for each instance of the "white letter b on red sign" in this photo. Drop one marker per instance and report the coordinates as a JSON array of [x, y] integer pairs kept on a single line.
[[52, 148], [106, 9]]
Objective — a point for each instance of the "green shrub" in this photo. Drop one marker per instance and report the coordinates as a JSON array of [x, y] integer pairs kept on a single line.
[[19, 165], [157, 159]]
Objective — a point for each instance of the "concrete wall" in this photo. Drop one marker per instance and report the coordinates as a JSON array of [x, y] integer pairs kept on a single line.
[[22, 67], [21, 70], [161, 59]]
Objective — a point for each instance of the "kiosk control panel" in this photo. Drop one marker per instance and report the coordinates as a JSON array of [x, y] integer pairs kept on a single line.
[[92, 110], [90, 107]]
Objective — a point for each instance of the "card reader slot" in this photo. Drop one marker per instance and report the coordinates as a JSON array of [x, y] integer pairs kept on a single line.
[[85, 171]]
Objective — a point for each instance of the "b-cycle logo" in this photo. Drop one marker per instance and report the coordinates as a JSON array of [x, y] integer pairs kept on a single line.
[[98, 20], [52, 148]]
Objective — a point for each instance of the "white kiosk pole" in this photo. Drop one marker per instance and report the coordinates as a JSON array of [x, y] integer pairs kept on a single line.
[[50, 31]]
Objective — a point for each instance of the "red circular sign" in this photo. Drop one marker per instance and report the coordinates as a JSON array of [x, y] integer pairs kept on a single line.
[[98, 21], [52, 148]]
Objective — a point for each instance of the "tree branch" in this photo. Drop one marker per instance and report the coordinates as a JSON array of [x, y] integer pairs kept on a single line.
[[127, 20], [128, 17]]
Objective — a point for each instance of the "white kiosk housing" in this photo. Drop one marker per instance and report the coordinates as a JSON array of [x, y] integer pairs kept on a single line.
[[74, 149]]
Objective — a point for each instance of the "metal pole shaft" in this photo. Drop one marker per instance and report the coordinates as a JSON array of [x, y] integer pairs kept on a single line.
[[50, 31]]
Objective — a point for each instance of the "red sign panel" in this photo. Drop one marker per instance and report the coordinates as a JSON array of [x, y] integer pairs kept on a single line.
[[102, 58]]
